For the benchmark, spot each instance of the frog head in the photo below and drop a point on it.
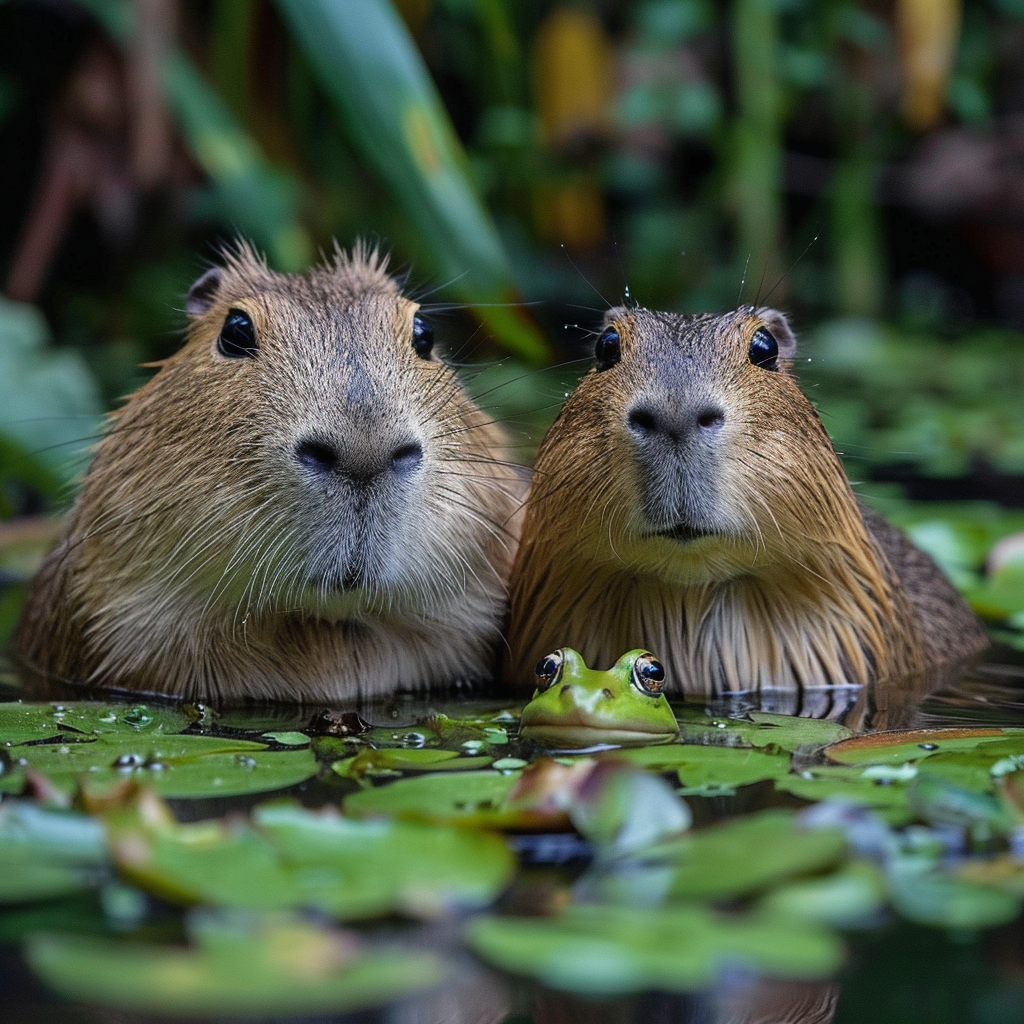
(574, 706)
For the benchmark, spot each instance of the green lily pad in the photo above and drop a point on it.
(44, 853)
(938, 801)
(913, 745)
(401, 759)
(930, 896)
(850, 897)
(886, 794)
(468, 798)
(291, 858)
(288, 739)
(700, 765)
(745, 855)
(759, 729)
(245, 967)
(175, 766)
(22, 722)
(601, 950)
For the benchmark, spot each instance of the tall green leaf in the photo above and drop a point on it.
(370, 68)
(256, 198)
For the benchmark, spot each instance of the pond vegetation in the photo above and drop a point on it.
(543, 161)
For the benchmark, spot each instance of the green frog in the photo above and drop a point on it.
(574, 706)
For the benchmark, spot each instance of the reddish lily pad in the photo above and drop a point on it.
(900, 746)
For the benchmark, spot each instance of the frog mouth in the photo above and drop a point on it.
(567, 736)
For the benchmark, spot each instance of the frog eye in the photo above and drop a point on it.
(649, 675)
(549, 669)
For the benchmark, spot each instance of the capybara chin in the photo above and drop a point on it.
(687, 500)
(302, 504)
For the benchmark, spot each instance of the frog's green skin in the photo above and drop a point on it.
(584, 707)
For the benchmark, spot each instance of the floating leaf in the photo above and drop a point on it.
(701, 767)
(850, 897)
(291, 858)
(421, 759)
(759, 729)
(48, 853)
(22, 722)
(602, 950)
(288, 739)
(911, 745)
(235, 967)
(745, 855)
(929, 896)
(838, 782)
(175, 766)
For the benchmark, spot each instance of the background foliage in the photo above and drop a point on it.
(853, 161)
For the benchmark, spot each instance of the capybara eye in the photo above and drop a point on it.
(549, 669)
(606, 351)
(764, 349)
(237, 338)
(649, 674)
(422, 336)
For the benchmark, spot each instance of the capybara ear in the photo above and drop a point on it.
(779, 326)
(613, 314)
(203, 294)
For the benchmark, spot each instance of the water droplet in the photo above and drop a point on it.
(111, 717)
(21, 762)
(63, 750)
(473, 746)
(414, 739)
(720, 723)
(129, 761)
(59, 709)
(243, 761)
(155, 766)
(137, 716)
(928, 746)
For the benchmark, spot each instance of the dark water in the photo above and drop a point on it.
(894, 973)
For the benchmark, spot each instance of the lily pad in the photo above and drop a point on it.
(928, 895)
(466, 798)
(600, 950)
(174, 765)
(758, 729)
(746, 855)
(700, 767)
(291, 858)
(885, 793)
(901, 746)
(400, 759)
(22, 722)
(48, 853)
(850, 897)
(236, 967)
